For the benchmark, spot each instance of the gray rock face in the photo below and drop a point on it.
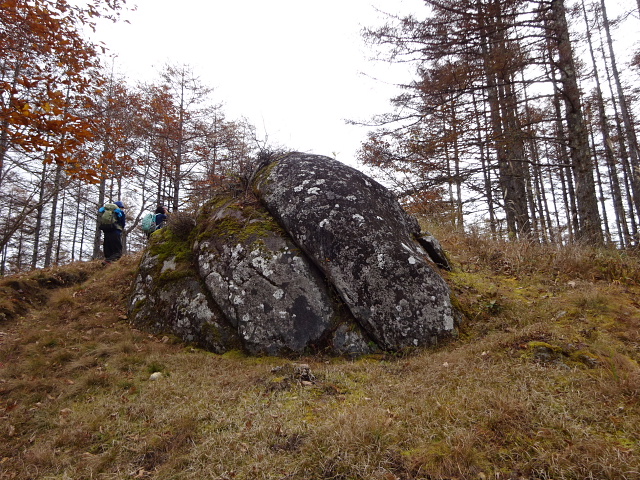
(332, 264)
(163, 302)
(262, 282)
(356, 232)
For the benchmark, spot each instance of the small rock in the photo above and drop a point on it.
(302, 372)
(155, 376)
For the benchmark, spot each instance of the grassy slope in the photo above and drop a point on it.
(543, 382)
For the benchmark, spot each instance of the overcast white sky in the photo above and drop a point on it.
(294, 68)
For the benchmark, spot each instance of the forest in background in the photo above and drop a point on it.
(507, 127)
(521, 118)
(75, 135)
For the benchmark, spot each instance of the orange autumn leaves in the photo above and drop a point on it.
(49, 80)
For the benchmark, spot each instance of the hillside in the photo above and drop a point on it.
(542, 382)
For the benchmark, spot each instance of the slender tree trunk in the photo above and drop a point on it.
(180, 146)
(497, 133)
(603, 123)
(96, 232)
(627, 173)
(603, 205)
(5, 246)
(39, 212)
(54, 213)
(59, 242)
(518, 165)
(80, 201)
(630, 133)
(485, 163)
(84, 229)
(582, 165)
(456, 164)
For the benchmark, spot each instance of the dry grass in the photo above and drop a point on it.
(542, 383)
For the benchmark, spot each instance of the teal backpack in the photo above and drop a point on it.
(148, 224)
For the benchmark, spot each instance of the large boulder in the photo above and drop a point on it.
(322, 259)
(359, 236)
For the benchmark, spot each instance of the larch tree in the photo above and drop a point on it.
(48, 74)
(474, 42)
(191, 101)
(497, 111)
(590, 229)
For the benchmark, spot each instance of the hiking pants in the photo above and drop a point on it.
(112, 245)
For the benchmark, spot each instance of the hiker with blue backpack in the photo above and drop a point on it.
(111, 218)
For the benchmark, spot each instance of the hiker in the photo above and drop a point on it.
(153, 221)
(161, 216)
(112, 221)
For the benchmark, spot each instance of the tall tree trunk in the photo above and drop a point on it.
(59, 242)
(76, 223)
(180, 146)
(485, 164)
(603, 205)
(627, 173)
(630, 133)
(505, 162)
(84, 230)
(5, 247)
(603, 123)
(39, 211)
(96, 233)
(57, 186)
(582, 165)
(456, 163)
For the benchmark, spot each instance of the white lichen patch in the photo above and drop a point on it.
(323, 223)
(201, 307)
(278, 294)
(169, 264)
(298, 265)
(313, 191)
(412, 261)
(262, 264)
(237, 300)
(236, 251)
(358, 218)
(448, 322)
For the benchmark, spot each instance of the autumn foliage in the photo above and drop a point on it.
(48, 78)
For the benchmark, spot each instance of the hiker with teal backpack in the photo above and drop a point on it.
(111, 218)
(161, 216)
(153, 221)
